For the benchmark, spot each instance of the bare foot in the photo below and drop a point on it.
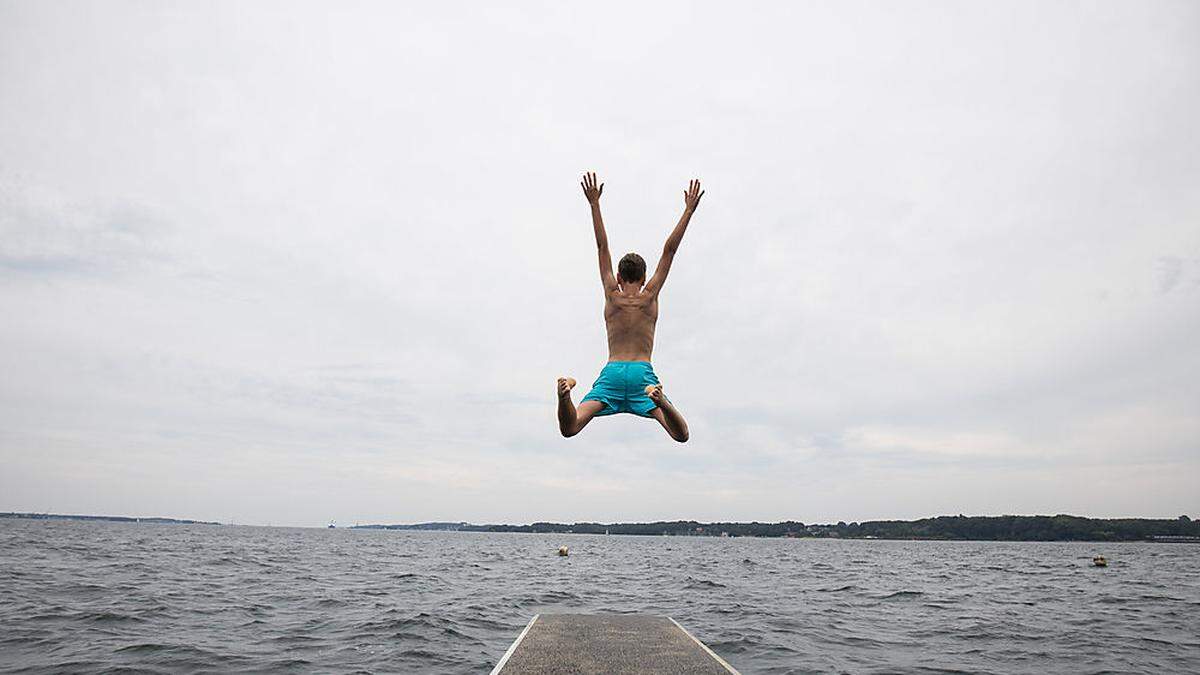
(565, 385)
(667, 415)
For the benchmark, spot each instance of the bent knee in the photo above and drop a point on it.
(567, 433)
(682, 437)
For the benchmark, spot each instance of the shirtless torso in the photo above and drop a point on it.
(628, 383)
(630, 315)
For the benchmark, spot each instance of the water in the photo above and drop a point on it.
(78, 596)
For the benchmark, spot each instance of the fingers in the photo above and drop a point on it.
(601, 190)
(589, 181)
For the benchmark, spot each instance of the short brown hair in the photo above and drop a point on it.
(631, 268)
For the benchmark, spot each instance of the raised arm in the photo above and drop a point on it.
(691, 199)
(607, 279)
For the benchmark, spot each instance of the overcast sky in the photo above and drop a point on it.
(293, 262)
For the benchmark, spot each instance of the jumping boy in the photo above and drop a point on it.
(628, 383)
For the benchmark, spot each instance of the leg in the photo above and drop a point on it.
(572, 420)
(667, 414)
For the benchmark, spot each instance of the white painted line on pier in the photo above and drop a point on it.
(513, 647)
(703, 646)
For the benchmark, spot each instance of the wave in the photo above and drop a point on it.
(694, 583)
(839, 589)
(900, 595)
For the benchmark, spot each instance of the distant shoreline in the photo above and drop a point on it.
(942, 528)
(111, 519)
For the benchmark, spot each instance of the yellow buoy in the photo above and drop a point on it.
(1100, 561)
(562, 550)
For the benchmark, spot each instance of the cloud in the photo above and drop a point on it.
(939, 445)
(45, 233)
(1173, 271)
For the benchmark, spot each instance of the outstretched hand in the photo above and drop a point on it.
(589, 188)
(692, 195)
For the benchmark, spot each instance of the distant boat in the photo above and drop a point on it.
(1100, 561)
(331, 525)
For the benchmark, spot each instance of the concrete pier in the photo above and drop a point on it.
(608, 644)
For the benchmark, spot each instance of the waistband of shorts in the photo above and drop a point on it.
(627, 363)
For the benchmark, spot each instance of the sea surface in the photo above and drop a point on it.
(94, 596)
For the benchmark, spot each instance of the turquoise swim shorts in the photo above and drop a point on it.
(621, 387)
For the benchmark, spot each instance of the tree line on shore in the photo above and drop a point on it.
(107, 519)
(978, 528)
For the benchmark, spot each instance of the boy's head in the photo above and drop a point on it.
(631, 269)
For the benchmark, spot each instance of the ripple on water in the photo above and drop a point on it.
(902, 595)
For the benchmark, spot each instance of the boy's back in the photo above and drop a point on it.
(630, 318)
